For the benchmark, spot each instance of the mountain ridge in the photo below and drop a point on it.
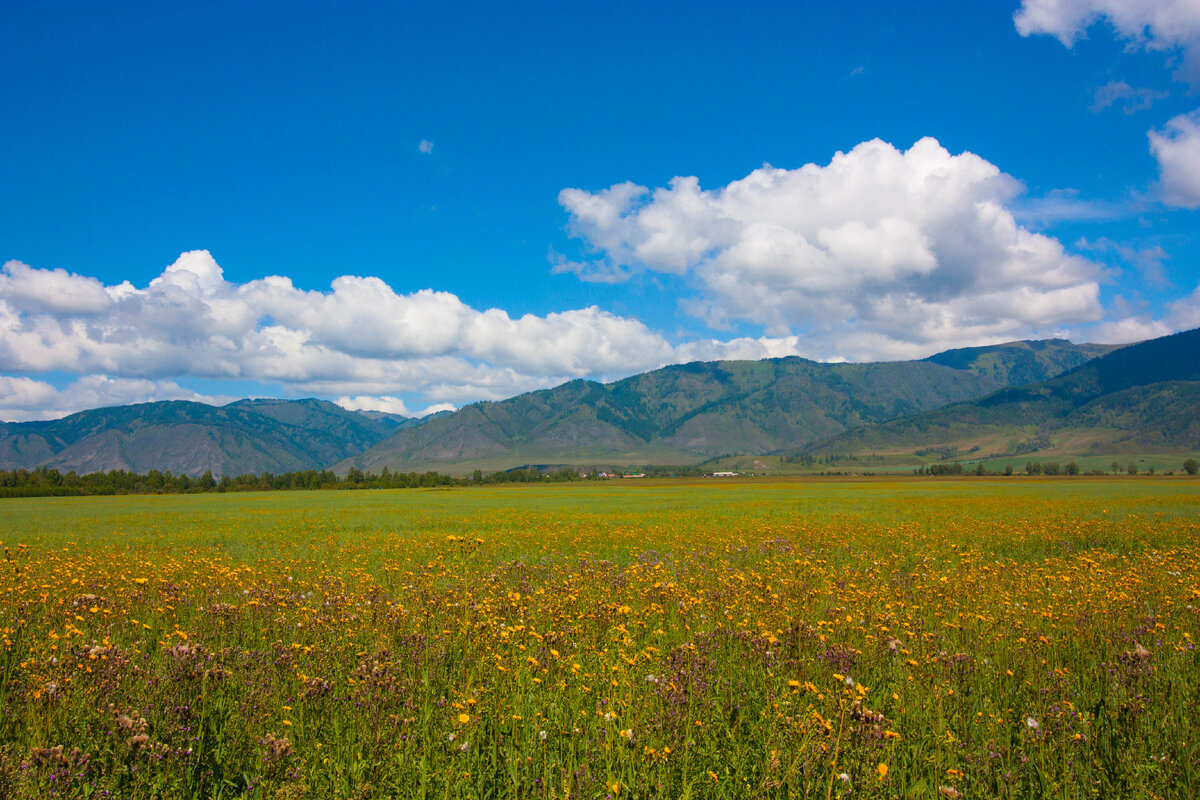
(688, 413)
(678, 414)
(1102, 396)
(191, 438)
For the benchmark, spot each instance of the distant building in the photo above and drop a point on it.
(726, 474)
(634, 475)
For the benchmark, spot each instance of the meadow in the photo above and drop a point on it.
(890, 638)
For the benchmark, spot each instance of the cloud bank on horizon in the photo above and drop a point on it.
(360, 341)
(881, 253)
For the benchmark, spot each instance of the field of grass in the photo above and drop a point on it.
(876, 638)
(906, 462)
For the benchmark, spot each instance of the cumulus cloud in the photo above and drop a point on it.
(18, 396)
(23, 398)
(425, 146)
(191, 320)
(881, 253)
(390, 405)
(360, 341)
(53, 290)
(1138, 320)
(359, 338)
(1163, 25)
(1183, 314)
(1177, 149)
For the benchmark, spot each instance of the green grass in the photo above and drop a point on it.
(668, 639)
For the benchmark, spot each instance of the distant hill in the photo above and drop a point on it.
(1020, 363)
(1141, 397)
(691, 412)
(191, 438)
(681, 414)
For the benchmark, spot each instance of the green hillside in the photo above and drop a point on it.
(191, 438)
(1140, 398)
(679, 414)
(1021, 363)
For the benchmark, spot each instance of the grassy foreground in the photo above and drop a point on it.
(968, 638)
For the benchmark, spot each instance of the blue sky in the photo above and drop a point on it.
(430, 188)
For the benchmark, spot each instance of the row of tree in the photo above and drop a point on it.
(1190, 466)
(43, 482)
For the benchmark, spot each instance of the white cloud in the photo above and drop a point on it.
(23, 398)
(425, 146)
(190, 320)
(390, 405)
(1129, 329)
(19, 395)
(879, 254)
(1129, 99)
(600, 270)
(1163, 25)
(358, 338)
(1177, 149)
(1130, 325)
(1184, 314)
(1148, 261)
(749, 349)
(360, 341)
(52, 290)
(1172, 25)
(1061, 205)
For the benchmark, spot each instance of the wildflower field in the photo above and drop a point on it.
(879, 638)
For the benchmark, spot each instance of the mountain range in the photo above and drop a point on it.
(192, 438)
(1143, 397)
(688, 413)
(680, 414)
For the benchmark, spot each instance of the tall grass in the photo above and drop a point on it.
(860, 639)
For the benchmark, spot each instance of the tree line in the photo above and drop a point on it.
(1190, 466)
(44, 482)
